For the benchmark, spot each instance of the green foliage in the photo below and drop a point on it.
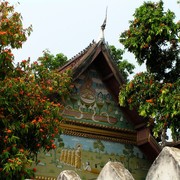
(52, 62)
(29, 118)
(99, 145)
(153, 38)
(159, 102)
(29, 114)
(12, 35)
(128, 151)
(124, 66)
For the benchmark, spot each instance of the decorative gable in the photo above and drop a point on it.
(92, 102)
(95, 129)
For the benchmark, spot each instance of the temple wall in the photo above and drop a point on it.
(92, 103)
(88, 156)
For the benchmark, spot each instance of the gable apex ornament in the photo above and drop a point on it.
(103, 26)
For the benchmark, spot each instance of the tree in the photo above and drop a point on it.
(124, 66)
(128, 151)
(99, 145)
(12, 35)
(158, 102)
(29, 119)
(153, 38)
(52, 62)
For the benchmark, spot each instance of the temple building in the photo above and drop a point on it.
(95, 129)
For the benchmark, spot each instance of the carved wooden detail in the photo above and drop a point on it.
(74, 128)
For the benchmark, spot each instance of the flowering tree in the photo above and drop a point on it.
(52, 62)
(29, 113)
(158, 102)
(153, 37)
(12, 35)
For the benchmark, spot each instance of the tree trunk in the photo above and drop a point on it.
(163, 137)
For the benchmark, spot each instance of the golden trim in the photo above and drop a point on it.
(45, 178)
(88, 130)
(80, 123)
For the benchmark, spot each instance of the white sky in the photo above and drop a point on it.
(68, 26)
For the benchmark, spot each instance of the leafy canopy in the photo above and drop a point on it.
(124, 66)
(159, 102)
(12, 36)
(29, 116)
(52, 62)
(153, 37)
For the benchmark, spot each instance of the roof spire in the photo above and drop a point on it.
(101, 36)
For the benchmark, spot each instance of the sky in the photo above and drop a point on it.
(69, 26)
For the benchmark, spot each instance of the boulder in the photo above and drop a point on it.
(166, 165)
(114, 170)
(68, 175)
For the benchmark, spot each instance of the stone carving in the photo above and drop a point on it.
(68, 175)
(166, 165)
(114, 170)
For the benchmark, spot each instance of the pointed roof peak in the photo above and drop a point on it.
(103, 26)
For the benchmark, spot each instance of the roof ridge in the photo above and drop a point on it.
(77, 56)
(83, 51)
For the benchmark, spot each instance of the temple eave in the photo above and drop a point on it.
(90, 130)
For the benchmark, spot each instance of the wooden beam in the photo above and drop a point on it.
(108, 77)
(89, 131)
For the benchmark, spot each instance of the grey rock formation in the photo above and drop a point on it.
(166, 166)
(114, 170)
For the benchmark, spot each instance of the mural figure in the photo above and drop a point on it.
(73, 157)
(61, 159)
(78, 157)
(87, 167)
(65, 156)
(90, 159)
(87, 93)
(99, 101)
(91, 101)
(69, 156)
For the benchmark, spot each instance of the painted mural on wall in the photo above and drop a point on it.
(91, 101)
(88, 156)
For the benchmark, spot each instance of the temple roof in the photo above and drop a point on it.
(98, 55)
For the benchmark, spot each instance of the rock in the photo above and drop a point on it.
(68, 175)
(114, 170)
(166, 165)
